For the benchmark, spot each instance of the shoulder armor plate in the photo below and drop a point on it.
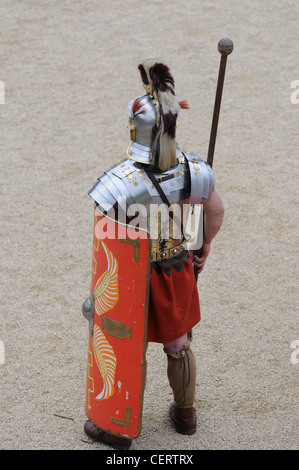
(191, 178)
(201, 178)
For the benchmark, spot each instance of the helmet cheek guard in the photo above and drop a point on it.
(142, 113)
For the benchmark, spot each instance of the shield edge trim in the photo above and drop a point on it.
(144, 364)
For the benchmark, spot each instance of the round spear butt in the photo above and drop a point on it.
(225, 46)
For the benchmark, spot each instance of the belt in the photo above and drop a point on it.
(169, 253)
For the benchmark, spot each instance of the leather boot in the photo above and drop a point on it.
(181, 371)
(98, 434)
(184, 419)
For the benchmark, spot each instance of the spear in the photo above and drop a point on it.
(225, 47)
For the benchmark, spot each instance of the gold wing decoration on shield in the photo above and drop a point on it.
(106, 289)
(106, 295)
(106, 361)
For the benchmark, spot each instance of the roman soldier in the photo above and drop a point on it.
(158, 184)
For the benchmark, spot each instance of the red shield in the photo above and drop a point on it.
(117, 345)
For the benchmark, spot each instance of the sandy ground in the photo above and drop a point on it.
(69, 70)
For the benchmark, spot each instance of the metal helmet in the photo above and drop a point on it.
(143, 114)
(153, 116)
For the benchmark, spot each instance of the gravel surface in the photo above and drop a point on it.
(69, 69)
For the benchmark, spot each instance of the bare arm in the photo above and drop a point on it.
(213, 217)
(214, 212)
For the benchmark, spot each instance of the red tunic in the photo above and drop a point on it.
(173, 304)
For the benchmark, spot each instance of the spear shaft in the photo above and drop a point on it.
(225, 47)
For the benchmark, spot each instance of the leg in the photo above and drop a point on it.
(176, 345)
(181, 370)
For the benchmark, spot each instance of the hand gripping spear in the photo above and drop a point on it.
(225, 47)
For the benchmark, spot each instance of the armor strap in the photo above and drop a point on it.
(156, 184)
(161, 194)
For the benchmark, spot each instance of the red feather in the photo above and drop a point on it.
(184, 105)
(137, 107)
